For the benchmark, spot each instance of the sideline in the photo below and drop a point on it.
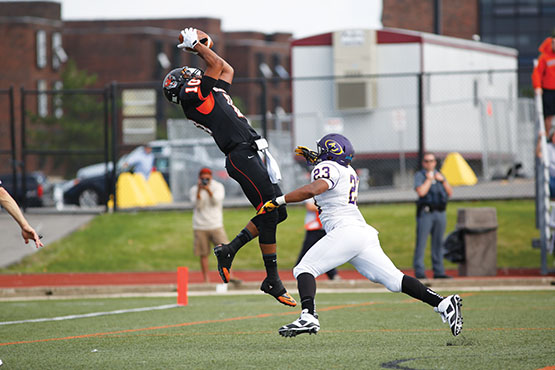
(215, 292)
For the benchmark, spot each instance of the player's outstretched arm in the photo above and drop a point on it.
(298, 195)
(216, 66)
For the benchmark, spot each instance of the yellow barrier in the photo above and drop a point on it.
(144, 189)
(159, 188)
(457, 171)
(132, 190)
(128, 192)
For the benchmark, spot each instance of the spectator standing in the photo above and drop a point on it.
(141, 161)
(543, 80)
(9, 204)
(433, 192)
(208, 227)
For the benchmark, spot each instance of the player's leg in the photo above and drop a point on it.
(329, 252)
(267, 224)
(438, 231)
(376, 266)
(310, 238)
(218, 237)
(225, 252)
(236, 162)
(423, 229)
(246, 167)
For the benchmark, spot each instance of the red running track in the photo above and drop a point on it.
(170, 277)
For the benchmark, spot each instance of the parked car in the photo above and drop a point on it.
(36, 186)
(91, 188)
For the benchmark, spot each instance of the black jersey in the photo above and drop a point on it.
(216, 113)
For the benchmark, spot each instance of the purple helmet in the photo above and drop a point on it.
(337, 148)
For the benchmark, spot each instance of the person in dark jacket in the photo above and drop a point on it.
(433, 192)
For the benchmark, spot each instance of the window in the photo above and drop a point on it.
(57, 101)
(59, 55)
(264, 69)
(279, 69)
(42, 99)
(41, 49)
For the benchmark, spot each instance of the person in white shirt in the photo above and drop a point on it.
(141, 161)
(9, 204)
(208, 226)
(348, 238)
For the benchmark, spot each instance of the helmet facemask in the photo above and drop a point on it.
(175, 79)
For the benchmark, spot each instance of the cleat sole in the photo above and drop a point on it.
(224, 274)
(287, 300)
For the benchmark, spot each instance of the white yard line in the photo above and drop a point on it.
(234, 292)
(87, 315)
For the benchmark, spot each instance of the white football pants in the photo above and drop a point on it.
(358, 245)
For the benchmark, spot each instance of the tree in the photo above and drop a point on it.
(75, 122)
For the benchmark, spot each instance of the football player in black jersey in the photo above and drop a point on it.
(204, 97)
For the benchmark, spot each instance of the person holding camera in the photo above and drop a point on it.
(208, 227)
(433, 192)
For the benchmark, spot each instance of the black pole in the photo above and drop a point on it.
(12, 140)
(437, 17)
(420, 119)
(263, 107)
(23, 148)
(107, 188)
(113, 90)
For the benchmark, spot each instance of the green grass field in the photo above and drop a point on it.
(160, 241)
(502, 330)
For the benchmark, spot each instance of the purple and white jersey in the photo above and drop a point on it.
(338, 205)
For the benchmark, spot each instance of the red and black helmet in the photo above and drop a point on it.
(175, 79)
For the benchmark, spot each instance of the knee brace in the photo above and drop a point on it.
(266, 224)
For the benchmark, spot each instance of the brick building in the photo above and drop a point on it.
(446, 17)
(268, 56)
(31, 56)
(519, 24)
(36, 42)
(139, 50)
(133, 50)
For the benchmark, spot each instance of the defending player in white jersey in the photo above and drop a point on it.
(334, 186)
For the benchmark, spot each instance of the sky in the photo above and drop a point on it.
(300, 17)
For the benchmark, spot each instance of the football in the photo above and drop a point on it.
(203, 38)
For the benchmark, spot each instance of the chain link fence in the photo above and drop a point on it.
(390, 119)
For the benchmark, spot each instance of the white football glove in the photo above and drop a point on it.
(190, 38)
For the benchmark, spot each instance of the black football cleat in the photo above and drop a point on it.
(277, 290)
(225, 258)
